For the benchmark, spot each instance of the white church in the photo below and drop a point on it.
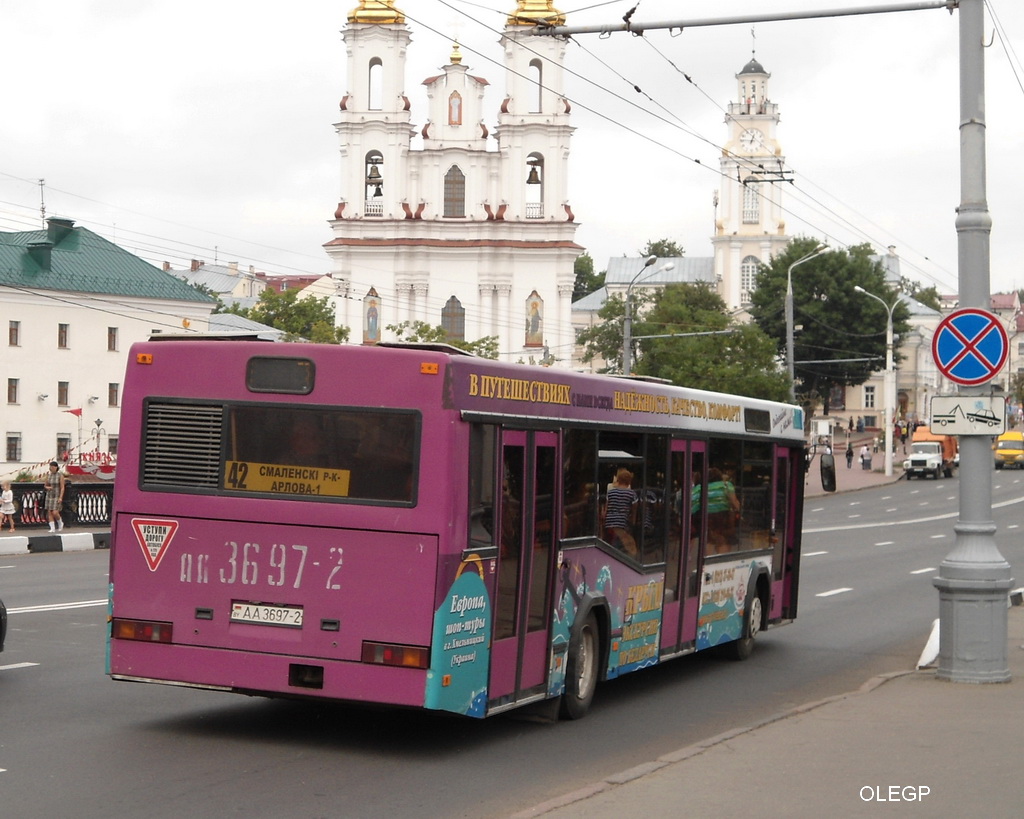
(472, 231)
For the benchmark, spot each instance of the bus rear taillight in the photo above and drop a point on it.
(146, 630)
(389, 654)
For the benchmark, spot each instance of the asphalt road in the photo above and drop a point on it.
(75, 743)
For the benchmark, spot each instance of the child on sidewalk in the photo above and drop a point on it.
(7, 506)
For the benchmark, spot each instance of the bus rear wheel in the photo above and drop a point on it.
(742, 648)
(581, 670)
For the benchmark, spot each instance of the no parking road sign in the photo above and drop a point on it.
(970, 346)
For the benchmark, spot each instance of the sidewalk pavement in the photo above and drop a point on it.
(907, 737)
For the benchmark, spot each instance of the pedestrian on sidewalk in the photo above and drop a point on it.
(7, 506)
(54, 486)
(849, 456)
(865, 457)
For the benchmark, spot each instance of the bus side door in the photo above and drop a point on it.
(682, 570)
(522, 612)
(784, 522)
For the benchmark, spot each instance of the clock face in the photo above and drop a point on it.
(750, 139)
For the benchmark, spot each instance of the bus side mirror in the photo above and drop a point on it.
(828, 473)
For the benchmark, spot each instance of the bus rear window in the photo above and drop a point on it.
(280, 450)
(334, 453)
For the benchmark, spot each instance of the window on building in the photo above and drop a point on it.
(13, 446)
(375, 92)
(536, 75)
(63, 389)
(113, 395)
(14, 334)
(112, 444)
(12, 390)
(454, 193)
(748, 276)
(751, 202)
(869, 396)
(112, 339)
(63, 446)
(374, 202)
(62, 336)
(453, 320)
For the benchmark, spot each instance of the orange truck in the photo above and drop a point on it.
(931, 454)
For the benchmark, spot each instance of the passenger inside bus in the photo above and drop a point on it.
(723, 513)
(620, 513)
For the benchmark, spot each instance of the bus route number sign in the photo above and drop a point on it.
(283, 479)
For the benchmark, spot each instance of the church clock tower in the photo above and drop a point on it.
(749, 225)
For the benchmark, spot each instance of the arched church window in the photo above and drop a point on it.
(453, 320)
(751, 202)
(375, 93)
(454, 193)
(535, 186)
(536, 76)
(749, 268)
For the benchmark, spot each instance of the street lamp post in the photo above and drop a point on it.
(789, 317)
(627, 324)
(890, 377)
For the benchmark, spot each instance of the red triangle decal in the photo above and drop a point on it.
(154, 537)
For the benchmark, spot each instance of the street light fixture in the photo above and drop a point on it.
(627, 325)
(822, 248)
(890, 376)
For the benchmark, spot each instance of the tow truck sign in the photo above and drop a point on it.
(968, 415)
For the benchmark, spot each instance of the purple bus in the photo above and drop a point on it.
(416, 527)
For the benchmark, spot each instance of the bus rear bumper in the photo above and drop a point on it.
(271, 675)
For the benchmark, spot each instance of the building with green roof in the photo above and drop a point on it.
(73, 303)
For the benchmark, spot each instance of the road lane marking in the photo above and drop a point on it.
(937, 537)
(885, 543)
(913, 521)
(813, 554)
(924, 571)
(17, 665)
(82, 604)
(833, 591)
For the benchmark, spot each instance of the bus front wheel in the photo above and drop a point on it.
(742, 648)
(581, 670)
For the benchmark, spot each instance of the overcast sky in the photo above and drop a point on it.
(198, 129)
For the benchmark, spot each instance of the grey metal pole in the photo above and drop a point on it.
(789, 317)
(627, 324)
(974, 580)
(890, 377)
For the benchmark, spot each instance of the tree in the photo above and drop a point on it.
(663, 249)
(741, 362)
(309, 318)
(928, 296)
(587, 281)
(420, 331)
(842, 340)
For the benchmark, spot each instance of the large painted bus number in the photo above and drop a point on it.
(249, 564)
(237, 474)
(330, 578)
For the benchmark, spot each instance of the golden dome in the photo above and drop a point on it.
(529, 12)
(376, 11)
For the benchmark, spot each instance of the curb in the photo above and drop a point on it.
(673, 757)
(63, 542)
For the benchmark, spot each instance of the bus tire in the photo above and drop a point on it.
(742, 648)
(581, 670)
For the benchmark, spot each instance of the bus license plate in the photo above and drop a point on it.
(290, 616)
